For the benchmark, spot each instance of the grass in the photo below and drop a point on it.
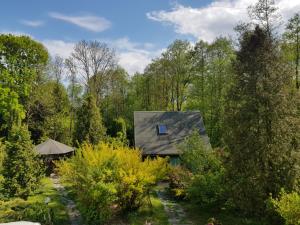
(58, 208)
(155, 214)
(201, 216)
(34, 208)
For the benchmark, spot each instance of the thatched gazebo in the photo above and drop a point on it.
(53, 150)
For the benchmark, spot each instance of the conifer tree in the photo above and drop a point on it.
(88, 124)
(261, 120)
(292, 37)
(22, 168)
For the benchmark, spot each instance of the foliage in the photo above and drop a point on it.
(121, 134)
(212, 76)
(2, 157)
(21, 61)
(170, 74)
(206, 185)
(48, 113)
(115, 103)
(11, 111)
(22, 166)
(19, 209)
(107, 178)
(291, 44)
(288, 207)
(149, 214)
(262, 123)
(35, 209)
(88, 125)
(179, 181)
(201, 215)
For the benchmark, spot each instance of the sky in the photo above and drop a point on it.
(139, 30)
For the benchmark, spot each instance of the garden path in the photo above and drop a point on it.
(74, 214)
(174, 211)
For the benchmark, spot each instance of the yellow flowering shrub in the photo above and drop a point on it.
(287, 205)
(106, 178)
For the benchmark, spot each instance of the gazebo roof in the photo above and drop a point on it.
(51, 147)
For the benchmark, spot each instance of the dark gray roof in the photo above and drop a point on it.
(179, 126)
(51, 147)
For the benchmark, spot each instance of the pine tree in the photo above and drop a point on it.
(88, 124)
(22, 168)
(292, 37)
(261, 119)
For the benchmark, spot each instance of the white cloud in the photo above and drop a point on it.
(215, 19)
(125, 44)
(134, 62)
(134, 57)
(89, 22)
(32, 23)
(59, 47)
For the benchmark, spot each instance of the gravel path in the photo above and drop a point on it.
(174, 211)
(74, 214)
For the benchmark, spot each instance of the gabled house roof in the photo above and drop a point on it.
(159, 133)
(51, 147)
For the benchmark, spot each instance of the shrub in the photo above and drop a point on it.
(22, 166)
(206, 189)
(19, 209)
(106, 178)
(179, 180)
(288, 207)
(206, 185)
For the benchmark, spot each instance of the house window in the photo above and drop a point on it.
(162, 129)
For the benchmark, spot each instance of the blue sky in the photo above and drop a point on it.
(139, 30)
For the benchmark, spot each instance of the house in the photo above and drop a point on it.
(160, 133)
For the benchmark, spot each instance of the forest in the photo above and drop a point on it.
(246, 88)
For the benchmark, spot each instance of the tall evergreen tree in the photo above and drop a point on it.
(88, 124)
(261, 119)
(22, 168)
(292, 38)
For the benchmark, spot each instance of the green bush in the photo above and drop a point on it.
(22, 167)
(108, 178)
(206, 189)
(206, 184)
(287, 205)
(19, 209)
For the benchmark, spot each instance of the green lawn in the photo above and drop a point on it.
(155, 214)
(34, 208)
(200, 216)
